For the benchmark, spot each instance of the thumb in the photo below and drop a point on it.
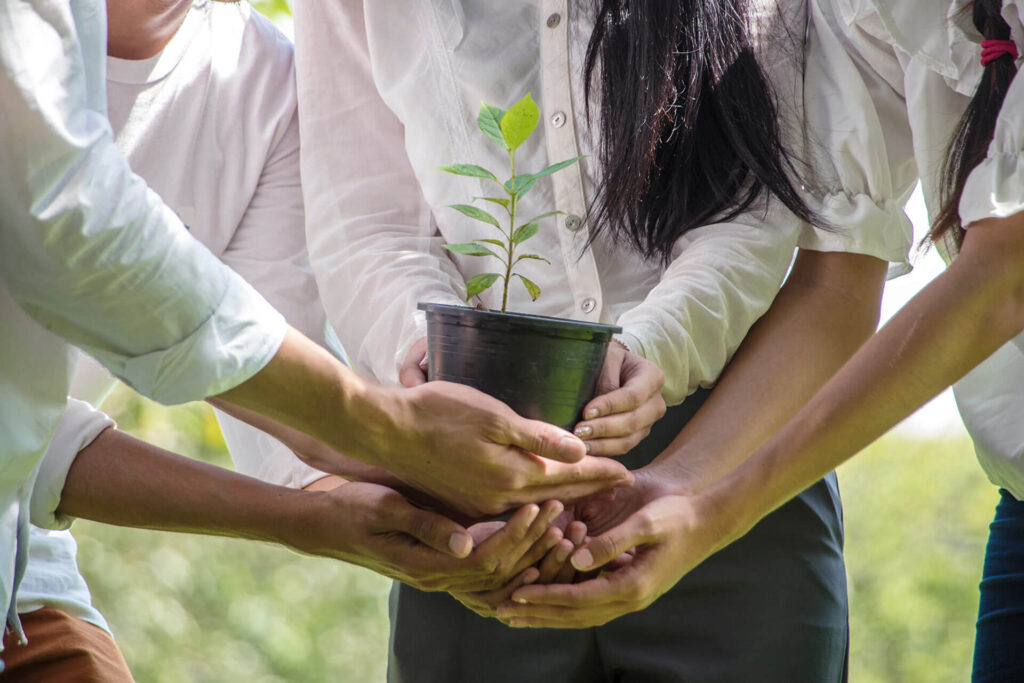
(601, 550)
(546, 440)
(435, 531)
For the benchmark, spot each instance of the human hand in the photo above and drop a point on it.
(565, 535)
(413, 370)
(474, 453)
(375, 527)
(666, 534)
(629, 401)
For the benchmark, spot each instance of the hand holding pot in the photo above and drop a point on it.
(474, 453)
(628, 403)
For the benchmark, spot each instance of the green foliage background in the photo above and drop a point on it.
(187, 608)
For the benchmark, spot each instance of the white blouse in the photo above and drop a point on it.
(389, 90)
(921, 68)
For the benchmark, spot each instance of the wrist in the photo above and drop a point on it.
(371, 415)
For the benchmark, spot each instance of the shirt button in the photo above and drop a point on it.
(554, 20)
(558, 119)
(573, 222)
(589, 304)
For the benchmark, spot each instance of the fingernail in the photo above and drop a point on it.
(582, 560)
(521, 601)
(584, 431)
(460, 543)
(515, 623)
(562, 554)
(590, 414)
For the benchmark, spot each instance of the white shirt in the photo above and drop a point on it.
(921, 67)
(218, 102)
(93, 255)
(389, 90)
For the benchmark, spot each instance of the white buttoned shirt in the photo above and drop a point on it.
(389, 90)
(90, 254)
(919, 63)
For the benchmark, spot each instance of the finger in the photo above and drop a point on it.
(618, 446)
(553, 616)
(555, 561)
(569, 483)
(414, 369)
(600, 550)
(624, 585)
(641, 381)
(576, 532)
(540, 538)
(485, 603)
(512, 533)
(545, 440)
(623, 423)
(435, 531)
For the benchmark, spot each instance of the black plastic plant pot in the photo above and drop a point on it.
(543, 368)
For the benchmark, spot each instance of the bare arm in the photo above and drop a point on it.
(956, 322)
(828, 307)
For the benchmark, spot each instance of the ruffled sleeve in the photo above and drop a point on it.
(995, 189)
(857, 141)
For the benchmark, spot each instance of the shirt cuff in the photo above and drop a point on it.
(995, 189)
(861, 225)
(78, 427)
(232, 345)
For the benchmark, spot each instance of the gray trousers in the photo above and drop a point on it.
(770, 608)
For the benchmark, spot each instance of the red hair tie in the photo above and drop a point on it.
(994, 49)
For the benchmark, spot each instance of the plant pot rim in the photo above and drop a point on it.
(476, 317)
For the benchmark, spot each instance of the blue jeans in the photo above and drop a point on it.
(999, 644)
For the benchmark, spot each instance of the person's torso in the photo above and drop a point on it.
(434, 61)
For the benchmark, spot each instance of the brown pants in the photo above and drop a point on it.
(62, 648)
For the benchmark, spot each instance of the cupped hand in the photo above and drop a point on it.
(628, 403)
(377, 528)
(474, 453)
(564, 536)
(666, 537)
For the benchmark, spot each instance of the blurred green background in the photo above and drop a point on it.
(188, 608)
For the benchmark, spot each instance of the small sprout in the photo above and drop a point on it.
(509, 130)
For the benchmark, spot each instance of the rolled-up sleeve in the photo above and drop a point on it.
(723, 277)
(86, 248)
(858, 143)
(78, 427)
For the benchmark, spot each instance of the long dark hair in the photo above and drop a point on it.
(970, 142)
(689, 130)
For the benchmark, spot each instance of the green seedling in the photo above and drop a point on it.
(509, 130)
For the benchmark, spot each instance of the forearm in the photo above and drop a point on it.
(120, 480)
(951, 326)
(308, 400)
(828, 307)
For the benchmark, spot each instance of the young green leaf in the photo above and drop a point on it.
(477, 213)
(533, 257)
(520, 121)
(556, 167)
(500, 201)
(497, 242)
(470, 249)
(479, 283)
(531, 287)
(489, 120)
(524, 232)
(536, 219)
(470, 170)
(520, 184)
